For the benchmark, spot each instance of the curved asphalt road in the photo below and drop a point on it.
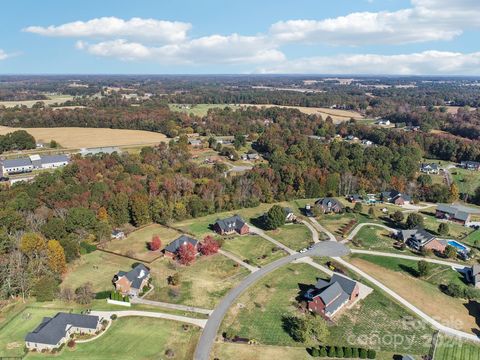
(207, 339)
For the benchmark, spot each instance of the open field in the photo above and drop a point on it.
(335, 114)
(97, 268)
(398, 274)
(135, 244)
(253, 249)
(76, 137)
(467, 180)
(294, 236)
(202, 284)
(29, 103)
(452, 349)
(146, 338)
(258, 315)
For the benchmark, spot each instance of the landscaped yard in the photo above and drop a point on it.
(294, 236)
(139, 338)
(453, 349)
(258, 315)
(135, 244)
(253, 249)
(202, 284)
(97, 268)
(424, 293)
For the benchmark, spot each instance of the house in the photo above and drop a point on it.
(383, 122)
(371, 199)
(53, 161)
(308, 210)
(474, 275)
(251, 156)
(16, 166)
(195, 142)
(328, 205)
(117, 234)
(429, 168)
(456, 213)
(173, 248)
(327, 298)
(470, 165)
(354, 198)
(99, 150)
(234, 224)
(367, 142)
(289, 215)
(33, 162)
(395, 197)
(419, 239)
(132, 282)
(55, 331)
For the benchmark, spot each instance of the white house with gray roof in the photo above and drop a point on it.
(55, 331)
(33, 162)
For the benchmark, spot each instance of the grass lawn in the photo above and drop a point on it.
(97, 268)
(139, 338)
(295, 236)
(136, 242)
(202, 284)
(253, 249)
(375, 238)
(424, 293)
(258, 315)
(453, 349)
(466, 180)
(472, 238)
(456, 231)
(258, 352)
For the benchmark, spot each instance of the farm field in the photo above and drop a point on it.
(135, 244)
(197, 109)
(253, 249)
(76, 137)
(97, 268)
(294, 236)
(259, 312)
(29, 103)
(202, 284)
(453, 349)
(146, 338)
(400, 276)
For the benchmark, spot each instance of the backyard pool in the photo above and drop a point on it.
(459, 246)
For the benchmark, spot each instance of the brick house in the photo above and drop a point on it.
(231, 225)
(419, 239)
(395, 197)
(133, 281)
(329, 205)
(172, 249)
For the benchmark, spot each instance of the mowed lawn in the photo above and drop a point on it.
(374, 238)
(202, 284)
(135, 244)
(453, 349)
(97, 268)
(77, 137)
(466, 180)
(424, 293)
(294, 236)
(258, 315)
(258, 352)
(136, 337)
(253, 249)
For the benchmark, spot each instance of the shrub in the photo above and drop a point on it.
(363, 354)
(155, 244)
(347, 353)
(169, 353)
(87, 248)
(102, 294)
(323, 351)
(113, 317)
(372, 354)
(357, 208)
(355, 353)
(71, 343)
(339, 352)
(331, 352)
(315, 352)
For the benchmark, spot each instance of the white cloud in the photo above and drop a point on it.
(4, 55)
(112, 27)
(232, 49)
(423, 63)
(426, 20)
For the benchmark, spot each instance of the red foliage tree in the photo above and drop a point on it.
(155, 244)
(186, 254)
(209, 246)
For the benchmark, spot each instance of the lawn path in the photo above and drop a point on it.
(238, 260)
(312, 230)
(320, 228)
(261, 233)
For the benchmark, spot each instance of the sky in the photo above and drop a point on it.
(396, 37)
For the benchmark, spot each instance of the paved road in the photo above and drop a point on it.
(165, 305)
(260, 232)
(410, 257)
(360, 226)
(106, 314)
(238, 260)
(207, 339)
(312, 230)
(421, 314)
(319, 227)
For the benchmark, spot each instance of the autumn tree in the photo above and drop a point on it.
(33, 245)
(102, 214)
(209, 246)
(84, 294)
(186, 254)
(56, 257)
(139, 211)
(454, 192)
(155, 243)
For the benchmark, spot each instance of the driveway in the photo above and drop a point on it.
(165, 305)
(312, 230)
(207, 339)
(319, 227)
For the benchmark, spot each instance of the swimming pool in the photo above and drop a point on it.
(460, 247)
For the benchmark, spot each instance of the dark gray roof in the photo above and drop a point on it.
(329, 202)
(458, 211)
(52, 330)
(475, 269)
(287, 211)
(136, 275)
(330, 293)
(432, 166)
(51, 159)
(335, 292)
(9, 163)
(337, 303)
(232, 223)
(420, 235)
(348, 285)
(175, 244)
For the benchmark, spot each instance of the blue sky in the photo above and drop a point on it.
(208, 36)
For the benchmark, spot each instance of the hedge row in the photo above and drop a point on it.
(343, 352)
(115, 295)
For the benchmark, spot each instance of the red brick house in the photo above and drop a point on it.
(231, 225)
(329, 297)
(171, 250)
